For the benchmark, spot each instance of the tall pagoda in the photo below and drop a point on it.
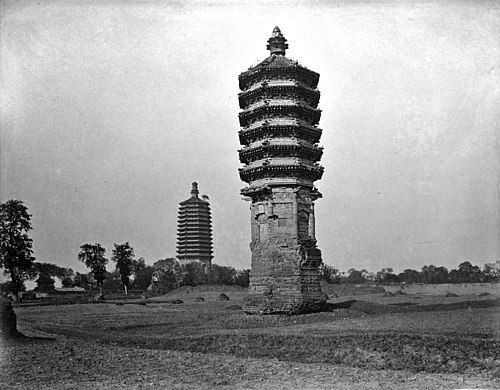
(280, 154)
(194, 230)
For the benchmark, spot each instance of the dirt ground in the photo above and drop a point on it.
(75, 364)
(212, 345)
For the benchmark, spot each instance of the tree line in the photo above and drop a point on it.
(429, 274)
(17, 260)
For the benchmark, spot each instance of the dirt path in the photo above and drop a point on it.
(76, 364)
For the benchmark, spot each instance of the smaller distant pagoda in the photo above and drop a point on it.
(194, 230)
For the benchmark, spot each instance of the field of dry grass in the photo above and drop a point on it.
(375, 342)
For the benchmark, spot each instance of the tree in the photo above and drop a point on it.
(434, 275)
(67, 278)
(329, 274)
(491, 272)
(15, 245)
(386, 275)
(467, 273)
(167, 274)
(194, 274)
(242, 278)
(142, 278)
(409, 276)
(356, 277)
(142, 273)
(138, 265)
(92, 255)
(220, 274)
(81, 280)
(112, 282)
(123, 256)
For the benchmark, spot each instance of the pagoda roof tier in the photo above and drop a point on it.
(282, 107)
(193, 247)
(194, 234)
(197, 216)
(182, 236)
(281, 167)
(195, 252)
(270, 88)
(195, 207)
(192, 204)
(192, 231)
(280, 147)
(284, 101)
(278, 67)
(197, 244)
(195, 227)
(196, 257)
(281, 161)
(279, 127)
(193, 242)
(199, 226)
(186, 219)
(194, 210)
(264, 189)
(194, 218)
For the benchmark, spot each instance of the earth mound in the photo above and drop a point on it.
(234, 307)
(223, 297)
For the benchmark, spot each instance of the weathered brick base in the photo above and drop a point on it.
(284, 278)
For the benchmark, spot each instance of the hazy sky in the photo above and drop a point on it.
(110, 109)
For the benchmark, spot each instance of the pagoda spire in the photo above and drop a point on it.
(277, 43)
(194, 190)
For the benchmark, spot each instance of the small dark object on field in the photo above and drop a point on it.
(450, 294)
(234, 307)
(223, 297)
(484, 294)
(8, 321)
(141, 303)
(199, 299)
(399, 292)
(176, 301)
(98, 297)
(388, 294)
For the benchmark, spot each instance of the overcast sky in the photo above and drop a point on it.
(111, 109)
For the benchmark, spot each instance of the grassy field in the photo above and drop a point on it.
(373, 342)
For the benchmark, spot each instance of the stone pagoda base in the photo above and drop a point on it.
(285, 278)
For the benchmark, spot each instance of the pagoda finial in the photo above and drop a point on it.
(277, 43)
(194, 190)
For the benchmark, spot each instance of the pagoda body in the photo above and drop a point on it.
(194, 230)
(280, 151)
